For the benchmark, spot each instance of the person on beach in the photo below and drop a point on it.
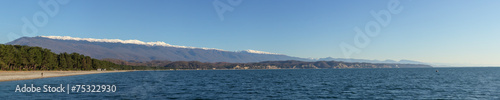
(42, 74)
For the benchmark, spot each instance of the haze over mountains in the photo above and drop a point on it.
(135, 50)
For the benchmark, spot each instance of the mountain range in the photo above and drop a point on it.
(135, 50)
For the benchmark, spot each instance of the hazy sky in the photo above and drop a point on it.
(435, 31)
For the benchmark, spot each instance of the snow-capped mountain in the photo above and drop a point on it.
(259, 52)
(145, 51)
(136, 50)
(138, 42)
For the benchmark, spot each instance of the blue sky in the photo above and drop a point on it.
(434, 31)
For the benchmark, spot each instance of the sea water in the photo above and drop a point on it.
(405, 83)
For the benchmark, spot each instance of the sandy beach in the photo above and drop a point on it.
(25, 75)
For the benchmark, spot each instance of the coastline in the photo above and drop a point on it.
(27, 75)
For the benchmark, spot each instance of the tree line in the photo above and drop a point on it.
(290, 64)
(17, 57)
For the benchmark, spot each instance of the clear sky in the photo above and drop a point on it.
(433, 31)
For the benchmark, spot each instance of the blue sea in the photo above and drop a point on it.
(404, 83)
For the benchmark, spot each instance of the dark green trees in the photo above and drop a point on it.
(16, 57)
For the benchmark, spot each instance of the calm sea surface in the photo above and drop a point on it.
(409, 83)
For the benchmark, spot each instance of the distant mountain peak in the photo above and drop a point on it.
(138, 42)
(135, 50)
(259, 52)
(311, 58)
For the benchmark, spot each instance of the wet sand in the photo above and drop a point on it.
(26, 75)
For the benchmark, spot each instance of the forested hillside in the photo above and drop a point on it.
(16, 57)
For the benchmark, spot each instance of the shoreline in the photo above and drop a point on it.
(28, 75)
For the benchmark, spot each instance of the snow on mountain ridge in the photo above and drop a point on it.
(259, 52)
(138, 42)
